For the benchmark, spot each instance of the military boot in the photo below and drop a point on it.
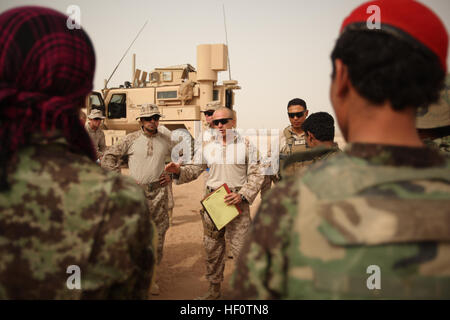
(213, 292)
(229, 252)
(154, 288)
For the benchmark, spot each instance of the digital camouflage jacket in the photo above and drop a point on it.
(371, 222)
(63, 210)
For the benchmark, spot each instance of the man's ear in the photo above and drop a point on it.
(341, 78)
(308, 139)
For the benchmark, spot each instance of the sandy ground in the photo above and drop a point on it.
(182, 270)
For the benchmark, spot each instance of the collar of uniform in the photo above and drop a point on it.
(88, 127)
(208, 125)
(218, 137)
(291, 129)
(147, 135)
(378, 154)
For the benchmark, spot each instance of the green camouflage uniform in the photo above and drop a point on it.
(307, 158)
(436, 117)
(315, 237)
(59, 213)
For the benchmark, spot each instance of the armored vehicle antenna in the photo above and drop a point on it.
(106, 82)
(226, 40)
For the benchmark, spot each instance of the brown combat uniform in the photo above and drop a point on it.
(243, 177)
(170, 198)
(291, 143)
(98, 139)
(269, 178)
(146, 159)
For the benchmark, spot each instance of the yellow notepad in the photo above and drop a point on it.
(219, 212)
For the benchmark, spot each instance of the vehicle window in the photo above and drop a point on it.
(96, 103)
(229, 98)
(167, 76)
(166, 95)
(215, 95)
(117, 107)
(154, 77)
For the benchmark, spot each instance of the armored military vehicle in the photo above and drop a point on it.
(179, 91)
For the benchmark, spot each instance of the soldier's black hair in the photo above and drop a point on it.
(297, 102)
(384, 68)
(321, 125)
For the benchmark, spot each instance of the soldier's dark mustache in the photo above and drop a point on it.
(150, 130)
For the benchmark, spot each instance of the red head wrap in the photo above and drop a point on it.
(46, 71)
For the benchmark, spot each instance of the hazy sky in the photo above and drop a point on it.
(279, 50)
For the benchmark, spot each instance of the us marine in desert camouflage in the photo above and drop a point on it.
(242, 175)
(145, 151)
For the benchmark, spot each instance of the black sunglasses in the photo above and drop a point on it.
(155, 117)
(298, 114)
(222, 121)
(208, 113)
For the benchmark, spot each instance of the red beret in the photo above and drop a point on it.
(411, 17)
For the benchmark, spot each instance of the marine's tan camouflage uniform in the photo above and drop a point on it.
(170, 198)
(146, 159)
(98, 139)
(291, 142)
(244, 178)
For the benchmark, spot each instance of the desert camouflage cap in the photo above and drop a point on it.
(148, 110)
(213, 105)
(438, 114)
(96, 113)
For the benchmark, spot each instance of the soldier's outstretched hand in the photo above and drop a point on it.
(172, 167)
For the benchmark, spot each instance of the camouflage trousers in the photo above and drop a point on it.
(214, 242)
(157, 201)
(170, 202)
